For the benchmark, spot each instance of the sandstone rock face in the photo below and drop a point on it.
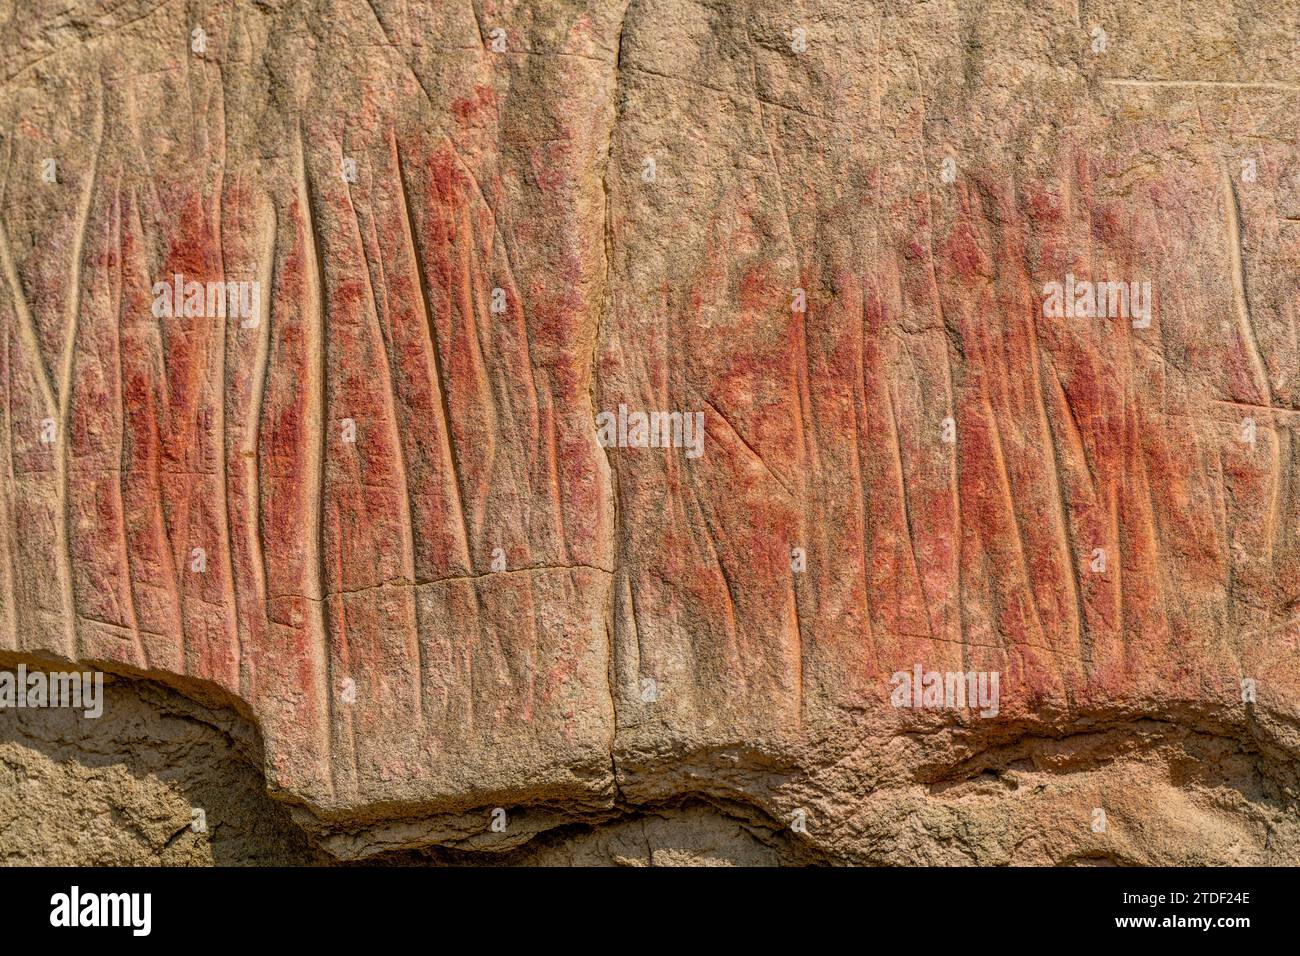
(382, 505)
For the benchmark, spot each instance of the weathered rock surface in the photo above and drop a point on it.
(370, 521)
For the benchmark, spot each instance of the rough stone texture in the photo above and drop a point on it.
(122, 789)
(396, 686)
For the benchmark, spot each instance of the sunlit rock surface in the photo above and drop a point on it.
(384, 504)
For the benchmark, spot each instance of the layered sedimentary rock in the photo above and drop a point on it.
(370, 502)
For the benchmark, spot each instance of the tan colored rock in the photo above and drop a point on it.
(367, 507)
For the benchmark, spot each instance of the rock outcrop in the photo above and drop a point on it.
(968, 333)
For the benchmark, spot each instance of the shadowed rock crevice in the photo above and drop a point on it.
(1185, 788)
(123, 789)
